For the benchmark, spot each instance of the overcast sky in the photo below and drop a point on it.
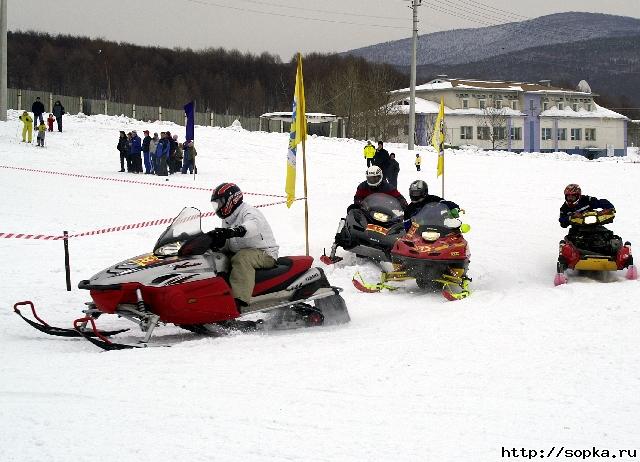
(279, 26)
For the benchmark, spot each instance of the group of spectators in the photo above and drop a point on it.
(163, 155)
(387, 162)
(38, 115)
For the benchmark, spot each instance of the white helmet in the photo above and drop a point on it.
(374, 175)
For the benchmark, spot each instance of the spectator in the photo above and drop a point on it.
(27, 128)
(381, 159)
(50, 121)
(136, 151)
(172, 141)
(42, 130)
(146, 141)
(394, 169)
(179, 155)
(129, 157)
(418, 161)
(162, 154)
(369, 152)
(190, 154)
(153, 144)
(123, 148)
(38, 109)
(58, 112)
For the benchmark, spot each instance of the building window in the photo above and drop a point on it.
(483, 133)
(546, 134)
(589, 107)
(562, 134)
(531, 105)
(545, 106)
(516, 133)
(482, 104)
(560, 106)
(465, 104)
(514, 105)
(497, 104)
(590, 134)
(466, 133)
(574, 106)
(576, 134)
(500, 133)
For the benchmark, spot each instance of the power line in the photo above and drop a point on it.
(268, 13)
(497, 11)
(472, 9)
(342, 13)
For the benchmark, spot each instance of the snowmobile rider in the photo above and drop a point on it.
(575, 203)
(246, 233)
(376, 183)
(419, 195)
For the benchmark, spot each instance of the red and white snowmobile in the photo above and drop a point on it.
(433, 252)
(590, 246)
(184, 282)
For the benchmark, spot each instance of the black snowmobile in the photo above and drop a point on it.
(370, 230)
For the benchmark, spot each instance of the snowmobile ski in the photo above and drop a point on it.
(43, 326)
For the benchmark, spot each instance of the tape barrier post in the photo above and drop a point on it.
(66, 260)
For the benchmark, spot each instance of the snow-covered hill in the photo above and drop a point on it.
(413, 377)
(470, 45)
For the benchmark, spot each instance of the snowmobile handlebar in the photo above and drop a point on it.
(593, 217)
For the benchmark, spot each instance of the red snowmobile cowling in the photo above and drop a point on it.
(451, 247)
(197, 302)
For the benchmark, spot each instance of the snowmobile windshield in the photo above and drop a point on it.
(184, 226)
(436, 216)
(382, 208)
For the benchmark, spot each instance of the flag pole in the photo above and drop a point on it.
(443, 177)
(306, 200)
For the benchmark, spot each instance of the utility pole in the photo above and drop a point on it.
(412, 99)
(3, 60)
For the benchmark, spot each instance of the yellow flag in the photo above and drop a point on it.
(438, 138)
(297, 135)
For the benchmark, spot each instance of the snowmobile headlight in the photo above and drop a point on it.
(169, 249)
(590, 219)
(379, 216)
(430, 235)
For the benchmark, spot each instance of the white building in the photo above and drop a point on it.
(515, 116)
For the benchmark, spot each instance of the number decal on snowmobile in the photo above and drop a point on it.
(377, 229)
(146, 261)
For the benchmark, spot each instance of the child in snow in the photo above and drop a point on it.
(42, 130)
(50, 121)
(418, 162)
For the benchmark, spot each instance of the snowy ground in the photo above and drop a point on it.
(412, 377)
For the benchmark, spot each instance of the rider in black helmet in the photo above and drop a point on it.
(419, 195)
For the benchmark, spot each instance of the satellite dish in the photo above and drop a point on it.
(584, 87)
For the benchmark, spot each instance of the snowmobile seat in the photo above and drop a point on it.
(283, 264)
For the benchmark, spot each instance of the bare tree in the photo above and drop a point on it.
(496, 120)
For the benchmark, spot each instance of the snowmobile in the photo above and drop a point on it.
(433, 252)
(370, 230)
(185, 282)
(590, 246)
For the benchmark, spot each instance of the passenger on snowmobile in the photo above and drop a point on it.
(376, 183)
(419, 195)
(247, 235)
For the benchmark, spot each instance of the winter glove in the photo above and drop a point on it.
(454, 213)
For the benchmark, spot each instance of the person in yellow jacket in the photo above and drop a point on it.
(418, 162)
(27, 126)
(369, 152)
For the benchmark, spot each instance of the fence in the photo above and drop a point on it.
(22, 99)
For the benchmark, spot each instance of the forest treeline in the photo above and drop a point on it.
(221, 81)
